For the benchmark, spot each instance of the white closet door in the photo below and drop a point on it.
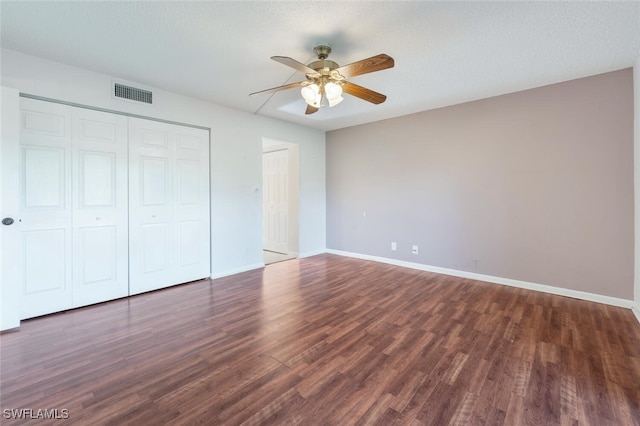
(45, 210)
(100, 214)
(168, 205)
(150, 206)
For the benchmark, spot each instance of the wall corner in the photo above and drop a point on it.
(636, 181)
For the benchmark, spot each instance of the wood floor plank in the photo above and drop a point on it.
(329, 340)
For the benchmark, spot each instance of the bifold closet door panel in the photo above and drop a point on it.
(45, 211)
(150, 209)
(100, 211)
(168, 205)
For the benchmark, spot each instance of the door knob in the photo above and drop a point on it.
(7, 221)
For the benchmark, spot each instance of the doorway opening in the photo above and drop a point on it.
(280, 189)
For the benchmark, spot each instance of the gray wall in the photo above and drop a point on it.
(534, 186)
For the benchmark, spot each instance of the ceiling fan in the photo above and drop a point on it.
(328, 80)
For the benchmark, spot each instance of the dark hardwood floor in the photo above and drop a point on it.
(329, 340)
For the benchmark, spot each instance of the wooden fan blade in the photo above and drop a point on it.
(374, 63)
(279, 88)
(363, 93)
(296, 65)
(311, 109)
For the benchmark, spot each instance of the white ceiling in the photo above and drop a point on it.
(445, 52)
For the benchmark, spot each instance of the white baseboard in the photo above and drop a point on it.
(607, 300)
(237, 270)
(636, 311)
(312, 253)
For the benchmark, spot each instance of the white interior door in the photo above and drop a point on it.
(10, 272)
(168, 205)
(100, 213)
(191, 204)
(45, 211)
(275, 178)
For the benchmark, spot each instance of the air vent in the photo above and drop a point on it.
(132, 93)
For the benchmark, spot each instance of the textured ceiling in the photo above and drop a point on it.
(445, 52)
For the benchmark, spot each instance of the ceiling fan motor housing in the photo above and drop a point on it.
(322, 51)
(323, 66)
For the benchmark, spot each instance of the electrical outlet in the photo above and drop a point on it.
(394, 246)
(414, 249)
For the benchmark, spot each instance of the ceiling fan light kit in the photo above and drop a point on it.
(333, 92)
(327, 79)
(311, 95)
